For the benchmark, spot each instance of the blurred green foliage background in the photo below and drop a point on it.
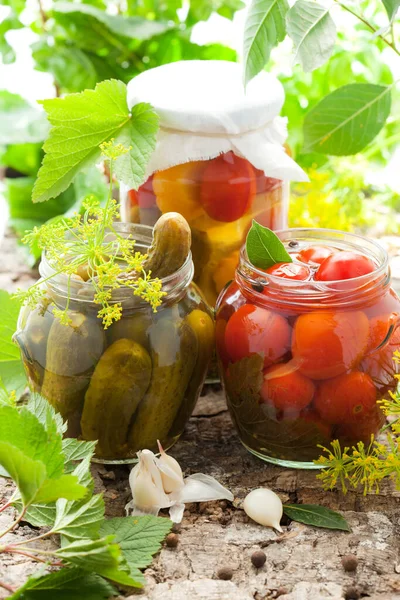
(82, 43)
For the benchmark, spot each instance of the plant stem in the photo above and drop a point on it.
(34, 539)
(6, 505)
(10, 550)
(14, 524)
(369, 25)
(7, 587)
(44, 552)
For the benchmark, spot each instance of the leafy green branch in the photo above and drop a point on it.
(346, 120)
(55, 490)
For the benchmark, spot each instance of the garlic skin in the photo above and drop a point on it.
(158, 483)
(264, 507)
(170, 470)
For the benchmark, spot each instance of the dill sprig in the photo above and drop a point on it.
(89, 242)
(365, 466)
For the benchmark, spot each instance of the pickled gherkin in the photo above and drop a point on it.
(170, 247)
(133, 327)
(118, 384)
(72, 353)
(203, 327)
(174, 354)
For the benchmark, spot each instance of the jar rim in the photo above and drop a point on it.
(143, 238)
(309, 290)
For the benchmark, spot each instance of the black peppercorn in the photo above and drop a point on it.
(350, 562)
(172, 540)
(225, 573)
(258, 559)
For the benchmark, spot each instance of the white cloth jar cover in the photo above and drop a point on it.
(205, 111)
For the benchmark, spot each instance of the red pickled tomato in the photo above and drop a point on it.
(256, 330)
(328, 343)
(344, 265)
(144, 197)
(286, 390)
(315, 254)
(345, 399)
(227, 187)
(312, 417)
(362, 429)
(289, 271)
(379, 364)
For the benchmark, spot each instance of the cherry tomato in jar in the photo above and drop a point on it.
(144, 197)
(292, 271)
(266, 184)
(177, 189)
(362, 429)
(346, 398)
(378, 362)
(227, 188)
(328, 343)
(286, 388)
(344, 265)
(323, 429)
(257, 330)
(315, 254)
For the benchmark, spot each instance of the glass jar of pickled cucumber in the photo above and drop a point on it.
(219, 160)
(129, 385)
(306, 348)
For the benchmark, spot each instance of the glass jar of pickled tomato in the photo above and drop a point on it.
(219, 160)
(130, 385)
(306, 348)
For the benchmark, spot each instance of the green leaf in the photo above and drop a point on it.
(20, 122)
(265, 27)
(391, 6)
(129, 27)
(28, 474)
(38, 514)
(66, 584)
(12, 371)
(99, 556)
(25, 158)
(319, 516)
(79, 520)
(80, 123)
(76, 450)
(6, 51)
(264, 248)
(46, 415)
(66, 486)
(346, 120)
(313, 32)
(139, 538)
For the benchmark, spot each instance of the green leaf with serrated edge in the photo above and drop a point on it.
(76, 450)
(80, 123)
(28, 474)
(346, 120)
(265, 27)
(19, 121)
(140, 136)
(81, 520)
(391, 6)
(12, 371)
(46, 415)
(38, 514)
(139, 537)
(264, 248)
(65, 584)
(101, 556)
(23, 430)
(319, 516)
(313, 33)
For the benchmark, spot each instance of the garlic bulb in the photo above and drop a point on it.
(158, 483)
(264, 507)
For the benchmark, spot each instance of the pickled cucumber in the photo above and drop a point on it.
(72, 353)
(133, 327)
(32, 341)
(203, 327)
(170, 377)
(170, 247)
(118, 384)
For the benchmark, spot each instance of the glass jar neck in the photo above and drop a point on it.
(60, 286)
(267, 289)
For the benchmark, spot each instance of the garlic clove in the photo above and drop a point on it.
(176, 512)
(203, 488)
(146, 485)
(170, 471)
(264, 507)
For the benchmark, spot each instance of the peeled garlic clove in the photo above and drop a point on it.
(145, 481)
(264, 507)
(170, 470)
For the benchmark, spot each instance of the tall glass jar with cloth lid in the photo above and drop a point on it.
(220, 160)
